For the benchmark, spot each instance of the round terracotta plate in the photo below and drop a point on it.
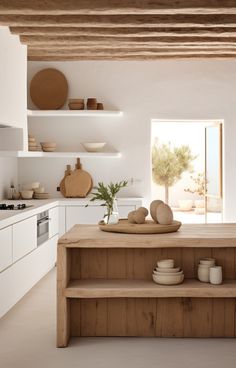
(49, 89)
(149, 227)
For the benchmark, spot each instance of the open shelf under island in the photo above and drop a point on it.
(105, 285)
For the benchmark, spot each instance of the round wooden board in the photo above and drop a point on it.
(150, 227)
(49, 89)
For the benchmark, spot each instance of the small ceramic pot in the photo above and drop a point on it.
(203, 273)
(216, 275)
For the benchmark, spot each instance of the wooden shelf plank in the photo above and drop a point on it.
(74, 113)
(188, 236)
(120, 288)
(41, 154)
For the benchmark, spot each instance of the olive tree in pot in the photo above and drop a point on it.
(198, 187)
(169, 163)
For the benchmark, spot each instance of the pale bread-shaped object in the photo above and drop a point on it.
(164, 214)
(131, 217)
(153, 208)
(139, 217)
(144, 210)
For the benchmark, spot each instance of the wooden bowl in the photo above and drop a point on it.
(100, 106)
(91, 106)
(76, 106)
(48, 144)
(91, 101)
(76, 100)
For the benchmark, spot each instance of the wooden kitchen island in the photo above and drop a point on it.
(105, 287)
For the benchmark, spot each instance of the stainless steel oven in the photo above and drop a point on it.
(42, 227)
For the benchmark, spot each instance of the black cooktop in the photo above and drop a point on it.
(13, 207)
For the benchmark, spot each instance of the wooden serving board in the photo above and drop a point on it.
(79, 183)
(49, 89)
(62, 183)
(149, 227)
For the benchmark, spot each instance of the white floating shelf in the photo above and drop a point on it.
(59, 154)
(73, 113)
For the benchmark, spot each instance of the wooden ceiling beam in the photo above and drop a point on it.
(93, 48)
(127, 51)
(73, 40)
(124, 32)
(130, 58)
(108, 7)
(115, 21)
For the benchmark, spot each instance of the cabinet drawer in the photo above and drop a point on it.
(54, 222)
(83, 215)
(24, 237)
(5, 248)
(91, 214)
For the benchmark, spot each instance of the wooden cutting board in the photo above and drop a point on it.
(79, 183)
(49, 89)
(62, 183)
(149, 227)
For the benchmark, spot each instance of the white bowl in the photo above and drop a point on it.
(167, 270)
(166, 263)
(168, 274)
(27, 194)
(207, 261)
(168, 279)
(93, 147)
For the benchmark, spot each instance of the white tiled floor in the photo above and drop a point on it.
(27, 340)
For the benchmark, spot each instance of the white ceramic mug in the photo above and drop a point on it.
(216, 275)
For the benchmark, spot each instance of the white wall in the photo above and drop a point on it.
(13, 75)
(165, 89)
(13, 104)
(8, 169)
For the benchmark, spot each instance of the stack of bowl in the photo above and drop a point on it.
(48, 146)
(76, 104)
(92, 104)
(32, 144)
(204, 266)
(166, 274)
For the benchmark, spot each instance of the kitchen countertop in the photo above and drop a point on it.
(9, 217)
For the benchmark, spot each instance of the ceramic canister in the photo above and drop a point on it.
(216, 275)
(203, 273)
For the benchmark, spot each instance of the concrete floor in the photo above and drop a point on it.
(27, 340)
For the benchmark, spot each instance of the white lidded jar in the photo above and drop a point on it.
(203, 273)
(216, 275)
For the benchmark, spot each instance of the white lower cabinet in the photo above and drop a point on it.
(91, 214)
(53, 221)
(24, 237)
(18, 279)
(5, 248)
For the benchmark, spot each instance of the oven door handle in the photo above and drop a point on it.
(43, 222)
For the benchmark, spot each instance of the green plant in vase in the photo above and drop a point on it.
(107, 194)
